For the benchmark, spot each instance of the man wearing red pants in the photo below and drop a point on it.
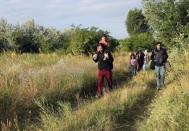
(105, 66)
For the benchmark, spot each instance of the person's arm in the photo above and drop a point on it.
(137, 65)
(166, 56)
(95, 57)
(129, 62)
(152, 56)
(111, 59)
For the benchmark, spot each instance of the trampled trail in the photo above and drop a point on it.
(127, 120)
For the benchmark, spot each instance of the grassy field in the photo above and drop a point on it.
(51, 92)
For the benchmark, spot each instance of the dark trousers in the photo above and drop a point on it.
(108, 75)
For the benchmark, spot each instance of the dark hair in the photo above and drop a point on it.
(132, 55)
(104, 35)
(157, 43)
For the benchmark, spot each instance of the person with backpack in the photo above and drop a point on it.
(105, 66)
(133, 64)
(159, 57)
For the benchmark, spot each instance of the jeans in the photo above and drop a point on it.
(145, 66)
(160, 75)
(108, 75)
(133, 70)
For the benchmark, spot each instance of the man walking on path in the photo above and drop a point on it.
(105, 66)
(159, 56)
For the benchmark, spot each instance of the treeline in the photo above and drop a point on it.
(32, 38)
(163, 20)
(159, 20)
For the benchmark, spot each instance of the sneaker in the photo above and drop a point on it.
(163, 86)
(97, 96)
(158, 88)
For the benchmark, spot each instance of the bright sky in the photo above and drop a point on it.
(108, 15)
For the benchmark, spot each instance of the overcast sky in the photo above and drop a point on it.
(108, 15)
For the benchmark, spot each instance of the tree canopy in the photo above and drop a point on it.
(168, 20)
(32, 38)
(136, 22)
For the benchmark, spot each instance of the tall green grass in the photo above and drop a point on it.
(170, 110)
(28, 78)
(55, 92)
(101, 114)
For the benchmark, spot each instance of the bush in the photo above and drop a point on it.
(138, 42)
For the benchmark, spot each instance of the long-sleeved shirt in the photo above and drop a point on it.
(107, 63)
(159, 56)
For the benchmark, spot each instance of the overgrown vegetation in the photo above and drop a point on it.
(170, 110)
(54, 90)
(27, 79)
(32, 38)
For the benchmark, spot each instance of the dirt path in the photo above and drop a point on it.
(127, 120)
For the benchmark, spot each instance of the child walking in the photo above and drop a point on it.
(133, 64)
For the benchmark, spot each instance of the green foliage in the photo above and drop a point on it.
(167, 19)
(33, 38)
(5, 36)
(138, 29)
(136, 22)
(85, 40)
(140, 41)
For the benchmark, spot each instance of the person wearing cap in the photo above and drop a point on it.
(159, 57)
(105, 66)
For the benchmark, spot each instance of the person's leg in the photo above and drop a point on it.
(100, 82)
(134, 71)
(108, 76)
(144, 67)
(157, 70)
(162, 75)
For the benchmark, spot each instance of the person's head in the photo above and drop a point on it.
(105, 38)
(146, 52)
(132, 56)
(158, 45)
(139, 52)
(104, 41)
(100, 48)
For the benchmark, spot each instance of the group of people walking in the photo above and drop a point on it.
(138, 61)
(155, 60)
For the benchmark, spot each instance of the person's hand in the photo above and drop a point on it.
(106, 56)
(95, 56)
(98, 49)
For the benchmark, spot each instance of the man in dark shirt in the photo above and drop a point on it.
(105, 66)
(159, 57)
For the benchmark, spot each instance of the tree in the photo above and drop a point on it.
(85, 40)
(167, 19)
(140, 41)
(32, 38)
(6, 41)
(136, 22)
